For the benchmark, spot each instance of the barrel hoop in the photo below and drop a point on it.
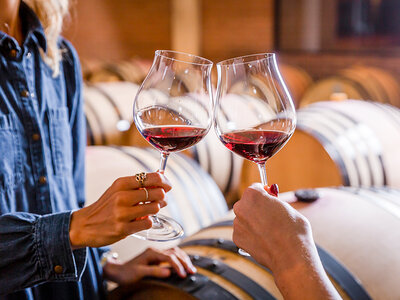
(113, 69)
(109, 99)
(337, 271)
(357, 85)
(89, 132)
(333, 153)
(232, 171)
(210, 189)
(365, 156)
(221, 244)
(387, 204)
(342, 276)
(204, 193)
(232, 161)
(99, 122)
(380, 158)
(329, 134)
(381, 88)
(195, 154)
(174, 207)
(391, 111)
(198, 285)
(246, 284)
(189, 194)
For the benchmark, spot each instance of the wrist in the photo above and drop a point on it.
(75, 230)
(305, 276)
(112, 270)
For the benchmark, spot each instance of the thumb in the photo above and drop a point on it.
(155, 271)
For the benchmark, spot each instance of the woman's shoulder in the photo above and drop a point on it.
(69, 53)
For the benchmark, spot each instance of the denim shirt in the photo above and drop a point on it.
(42, 147)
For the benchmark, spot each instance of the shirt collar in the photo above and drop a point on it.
(31, 28)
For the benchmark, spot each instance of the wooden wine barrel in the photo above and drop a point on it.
(350, 227)
(134, 70)
(195, 201)
(108, 110)
(351, 143)
(358, 82)
(297, 81)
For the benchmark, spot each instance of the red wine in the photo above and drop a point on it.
(173, 138)
(255, 145)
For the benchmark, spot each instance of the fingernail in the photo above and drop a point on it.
(183, 273)
(193, 269)
(274, 189)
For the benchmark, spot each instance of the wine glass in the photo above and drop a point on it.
(254, 114)
(173, 111)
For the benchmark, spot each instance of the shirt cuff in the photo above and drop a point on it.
(59, 262)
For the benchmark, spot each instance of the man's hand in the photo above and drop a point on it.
(152, 262)
(279, 237)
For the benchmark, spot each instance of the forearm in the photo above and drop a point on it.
(305, 278)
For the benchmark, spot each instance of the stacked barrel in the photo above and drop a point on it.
(357, 82)
(350, 144)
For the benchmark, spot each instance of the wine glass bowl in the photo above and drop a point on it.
(173, 111)
(254, 114)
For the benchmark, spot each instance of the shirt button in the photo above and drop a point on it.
(58, 269)
(28, 55)
(13, 53)
(24, 93)
(42, 179)
(35, 137)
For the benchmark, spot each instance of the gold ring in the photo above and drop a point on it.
(147, 194)
(140, 177)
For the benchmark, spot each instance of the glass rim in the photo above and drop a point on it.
(206, 62)
(250, 58)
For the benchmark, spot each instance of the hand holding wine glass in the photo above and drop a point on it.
(254, 113)
(173, 111)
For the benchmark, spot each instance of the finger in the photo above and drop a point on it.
(154, 271)
(237, 235)
(152, 180)
(162, 203)
(139, 211)
(138, 225)
(184, 259)
(133, 197)
(153, 256)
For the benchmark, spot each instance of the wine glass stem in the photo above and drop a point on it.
(163, 162)
(263, 173)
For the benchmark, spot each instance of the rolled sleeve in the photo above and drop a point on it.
(59, 261)
(35, 249)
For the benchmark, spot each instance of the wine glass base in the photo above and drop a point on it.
(166, 229)
(243, 253)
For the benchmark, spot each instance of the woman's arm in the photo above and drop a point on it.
(279, 237)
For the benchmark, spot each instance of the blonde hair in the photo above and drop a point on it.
(51, 14)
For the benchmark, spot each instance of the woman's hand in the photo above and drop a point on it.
(118, 213)
(279, 237)
(148, 264)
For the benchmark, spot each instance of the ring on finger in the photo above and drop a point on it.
(141, 177)
(147, 193)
